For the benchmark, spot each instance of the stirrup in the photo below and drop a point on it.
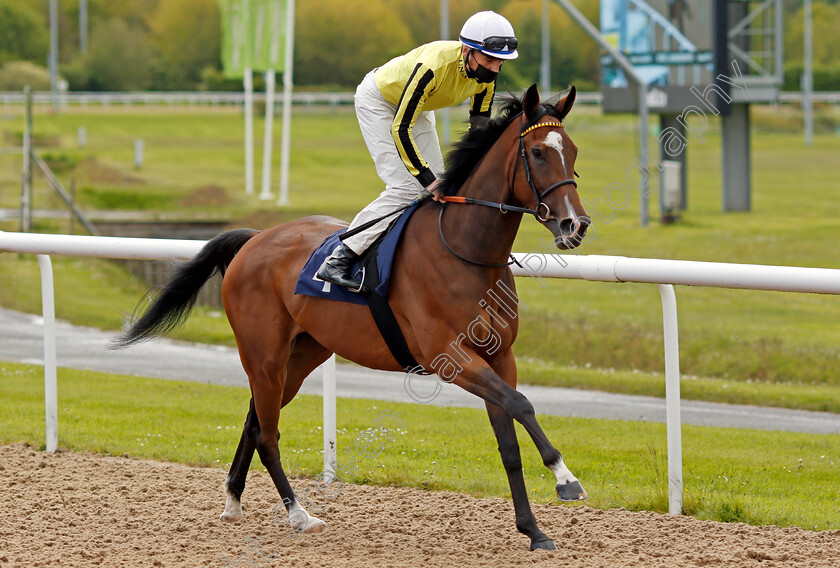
(361, 288)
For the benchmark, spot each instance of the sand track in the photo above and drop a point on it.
(75, 509)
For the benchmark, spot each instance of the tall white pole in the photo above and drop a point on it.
(288, 70)
(53, 59)
(808, 75)
(26, 181)
(634, 77)
(643, 156)
(445, 113)
(248, 83)
(83, 26)
(265, 192)
(545, 64)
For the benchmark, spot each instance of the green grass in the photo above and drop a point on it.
(817, 397)
(730, 474)
(116, 295)
(768, 348)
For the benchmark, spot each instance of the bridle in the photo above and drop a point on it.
(527, 165)
(504, 207)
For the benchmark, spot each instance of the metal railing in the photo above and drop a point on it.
(664, 273)
(220, 99)
(192, 98)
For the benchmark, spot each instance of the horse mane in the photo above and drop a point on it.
(468, 152)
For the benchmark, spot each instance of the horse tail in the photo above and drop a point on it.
(176, 300)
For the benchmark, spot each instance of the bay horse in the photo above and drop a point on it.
(521, 161)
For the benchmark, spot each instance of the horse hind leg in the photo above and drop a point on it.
(267, 405)
(235, 480)
(305, 355)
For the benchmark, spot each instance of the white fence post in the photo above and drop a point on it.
(138, 154)
(330, 422)
(672, 397)
(50, 374)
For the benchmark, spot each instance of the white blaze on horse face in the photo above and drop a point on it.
(562, 473)
(555, 140)
(572, 213)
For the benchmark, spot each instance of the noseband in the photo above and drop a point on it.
(504, 207)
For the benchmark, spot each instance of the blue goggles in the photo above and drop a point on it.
(494, 44)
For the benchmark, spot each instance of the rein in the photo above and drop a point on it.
(504, 207)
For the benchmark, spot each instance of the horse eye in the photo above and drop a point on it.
(537, 153)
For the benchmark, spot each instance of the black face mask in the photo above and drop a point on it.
(482, 74)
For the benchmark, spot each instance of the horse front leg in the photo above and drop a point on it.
(568, 487)
(264, 357)
(480, 379)
(526, 523)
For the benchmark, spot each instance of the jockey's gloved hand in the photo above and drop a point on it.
(435, 190)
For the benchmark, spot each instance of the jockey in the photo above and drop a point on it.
(394, 107)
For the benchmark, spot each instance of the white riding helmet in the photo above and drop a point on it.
(491, 34)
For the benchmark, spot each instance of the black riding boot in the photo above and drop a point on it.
(337, 266)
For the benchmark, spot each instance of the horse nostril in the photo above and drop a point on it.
(575, 228)
(567, 227)
(584, 223)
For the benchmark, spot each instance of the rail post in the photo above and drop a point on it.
(50, 374)
(672, 397)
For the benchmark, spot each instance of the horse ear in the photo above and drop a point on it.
(531, 102)
(565, 104)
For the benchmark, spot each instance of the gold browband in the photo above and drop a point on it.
(540, 124)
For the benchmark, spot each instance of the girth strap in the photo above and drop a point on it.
(385, 320)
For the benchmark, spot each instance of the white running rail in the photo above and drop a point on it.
(663, 273)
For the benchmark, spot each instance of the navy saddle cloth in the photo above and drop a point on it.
(385, 248)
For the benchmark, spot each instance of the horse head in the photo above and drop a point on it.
(545, 181)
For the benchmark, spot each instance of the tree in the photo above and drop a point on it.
(119, 59)
(134, 13)
(574, 55)
(337, 42)
(68, 24)
(422, 17)
(825, 23)
(23, 32)
(16, 75)
(186, 36)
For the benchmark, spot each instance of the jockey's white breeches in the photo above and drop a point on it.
(376, 116)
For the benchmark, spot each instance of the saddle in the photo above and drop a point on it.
(373, 269)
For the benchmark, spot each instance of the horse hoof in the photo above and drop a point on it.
(231, 517)
(315, 526)
(571, 491)
(543, 545)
